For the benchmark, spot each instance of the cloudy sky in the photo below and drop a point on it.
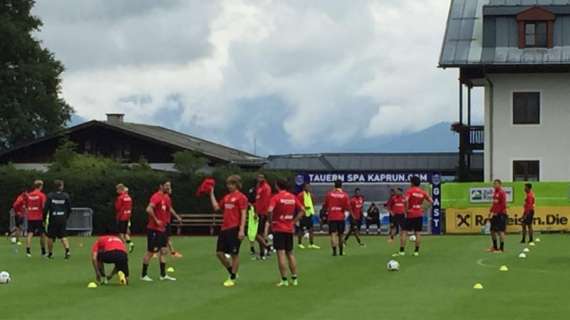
(292, 75)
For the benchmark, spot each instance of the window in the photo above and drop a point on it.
(526, 170)
(526, 108)
(536, 34)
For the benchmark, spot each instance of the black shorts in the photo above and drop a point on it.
(168, 231)
(283, 241)
(36, 227)
(18, 221)
(398, 221)
(414, 224)
(262, 220)
(229, 242)
(117, 257)
(336, 226)
(499, 223)
(355, 223)
(306, 223)
(155, 240)
(527, 218)
(57, 230)
(123, 226)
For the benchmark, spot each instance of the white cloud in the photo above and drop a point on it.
(344, 69)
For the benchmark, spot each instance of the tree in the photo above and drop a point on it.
(30, 83)
(188, 162)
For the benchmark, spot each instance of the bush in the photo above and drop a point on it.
(91, 181)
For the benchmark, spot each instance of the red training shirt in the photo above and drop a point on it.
(499, 202)
(161, 211)
(415, 197)
(232, 205)
(529, 202)
(108, 243)
(20, 204)
(284, 205)
(262, 198)
(337, 203)
(357, 203)
(123, 207)
(36, 203)
(397, 204)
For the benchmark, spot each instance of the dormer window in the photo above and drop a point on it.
(536, 26)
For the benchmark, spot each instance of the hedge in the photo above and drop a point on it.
(94, 187)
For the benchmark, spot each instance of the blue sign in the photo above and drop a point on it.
(436, 206)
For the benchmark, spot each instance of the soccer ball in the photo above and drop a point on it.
(4, 277)
(13, 240)
(393, 265)
(412, 238)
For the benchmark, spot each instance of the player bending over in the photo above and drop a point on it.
(123, 209)
(528, 214)
(158, 211)
(36, 204)
(498, 216)
(356, 203)
(414, 199)
(110, 249)
(282, 215)
(306, 223)
(57, 211)
(233, 206)
(336, 204)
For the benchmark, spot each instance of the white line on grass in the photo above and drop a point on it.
(481, 262)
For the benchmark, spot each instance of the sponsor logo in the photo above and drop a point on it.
(485, 195)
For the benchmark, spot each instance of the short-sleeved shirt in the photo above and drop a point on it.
(20, 204)
(529, 202)
(262, 198)
(499, 202)
(337, 202)
(108, 243)
(36, 203)
(284, 205)
(397, 204)
(415, 197)
(161, 211)
(232, 206)
(357, 204)
(123, 207)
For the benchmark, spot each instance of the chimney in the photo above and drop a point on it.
(115, 118)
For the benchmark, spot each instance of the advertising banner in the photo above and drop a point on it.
(473, 220)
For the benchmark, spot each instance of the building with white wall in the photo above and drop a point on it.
(519, 52)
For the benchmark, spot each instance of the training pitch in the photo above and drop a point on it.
(436, 285)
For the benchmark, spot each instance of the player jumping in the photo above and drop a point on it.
(336, 204)
(498, 216)
(415, 197)
(123, 209)
(234, 207)
(57, 211)
(528, 214)
(282, 215)
(158, 211)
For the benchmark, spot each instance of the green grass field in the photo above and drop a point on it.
(436, 285)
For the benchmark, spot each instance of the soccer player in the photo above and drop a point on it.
(252, 221)
(282, 208)
(397, 207)
(373, 217)
(36, 203)
(528, 214)
(356, 203)
(263, 196)
(123, 209)
(337, 202)
(498, 216)
(110, 249)
(306, 223)
(57, 211)
(19, 211)
(414, 198)
(234, 207)
(158, 211)
(171, 213)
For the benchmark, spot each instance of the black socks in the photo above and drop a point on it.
(162, 269)
(144, 270)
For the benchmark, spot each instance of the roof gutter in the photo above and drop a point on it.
(491, 109)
